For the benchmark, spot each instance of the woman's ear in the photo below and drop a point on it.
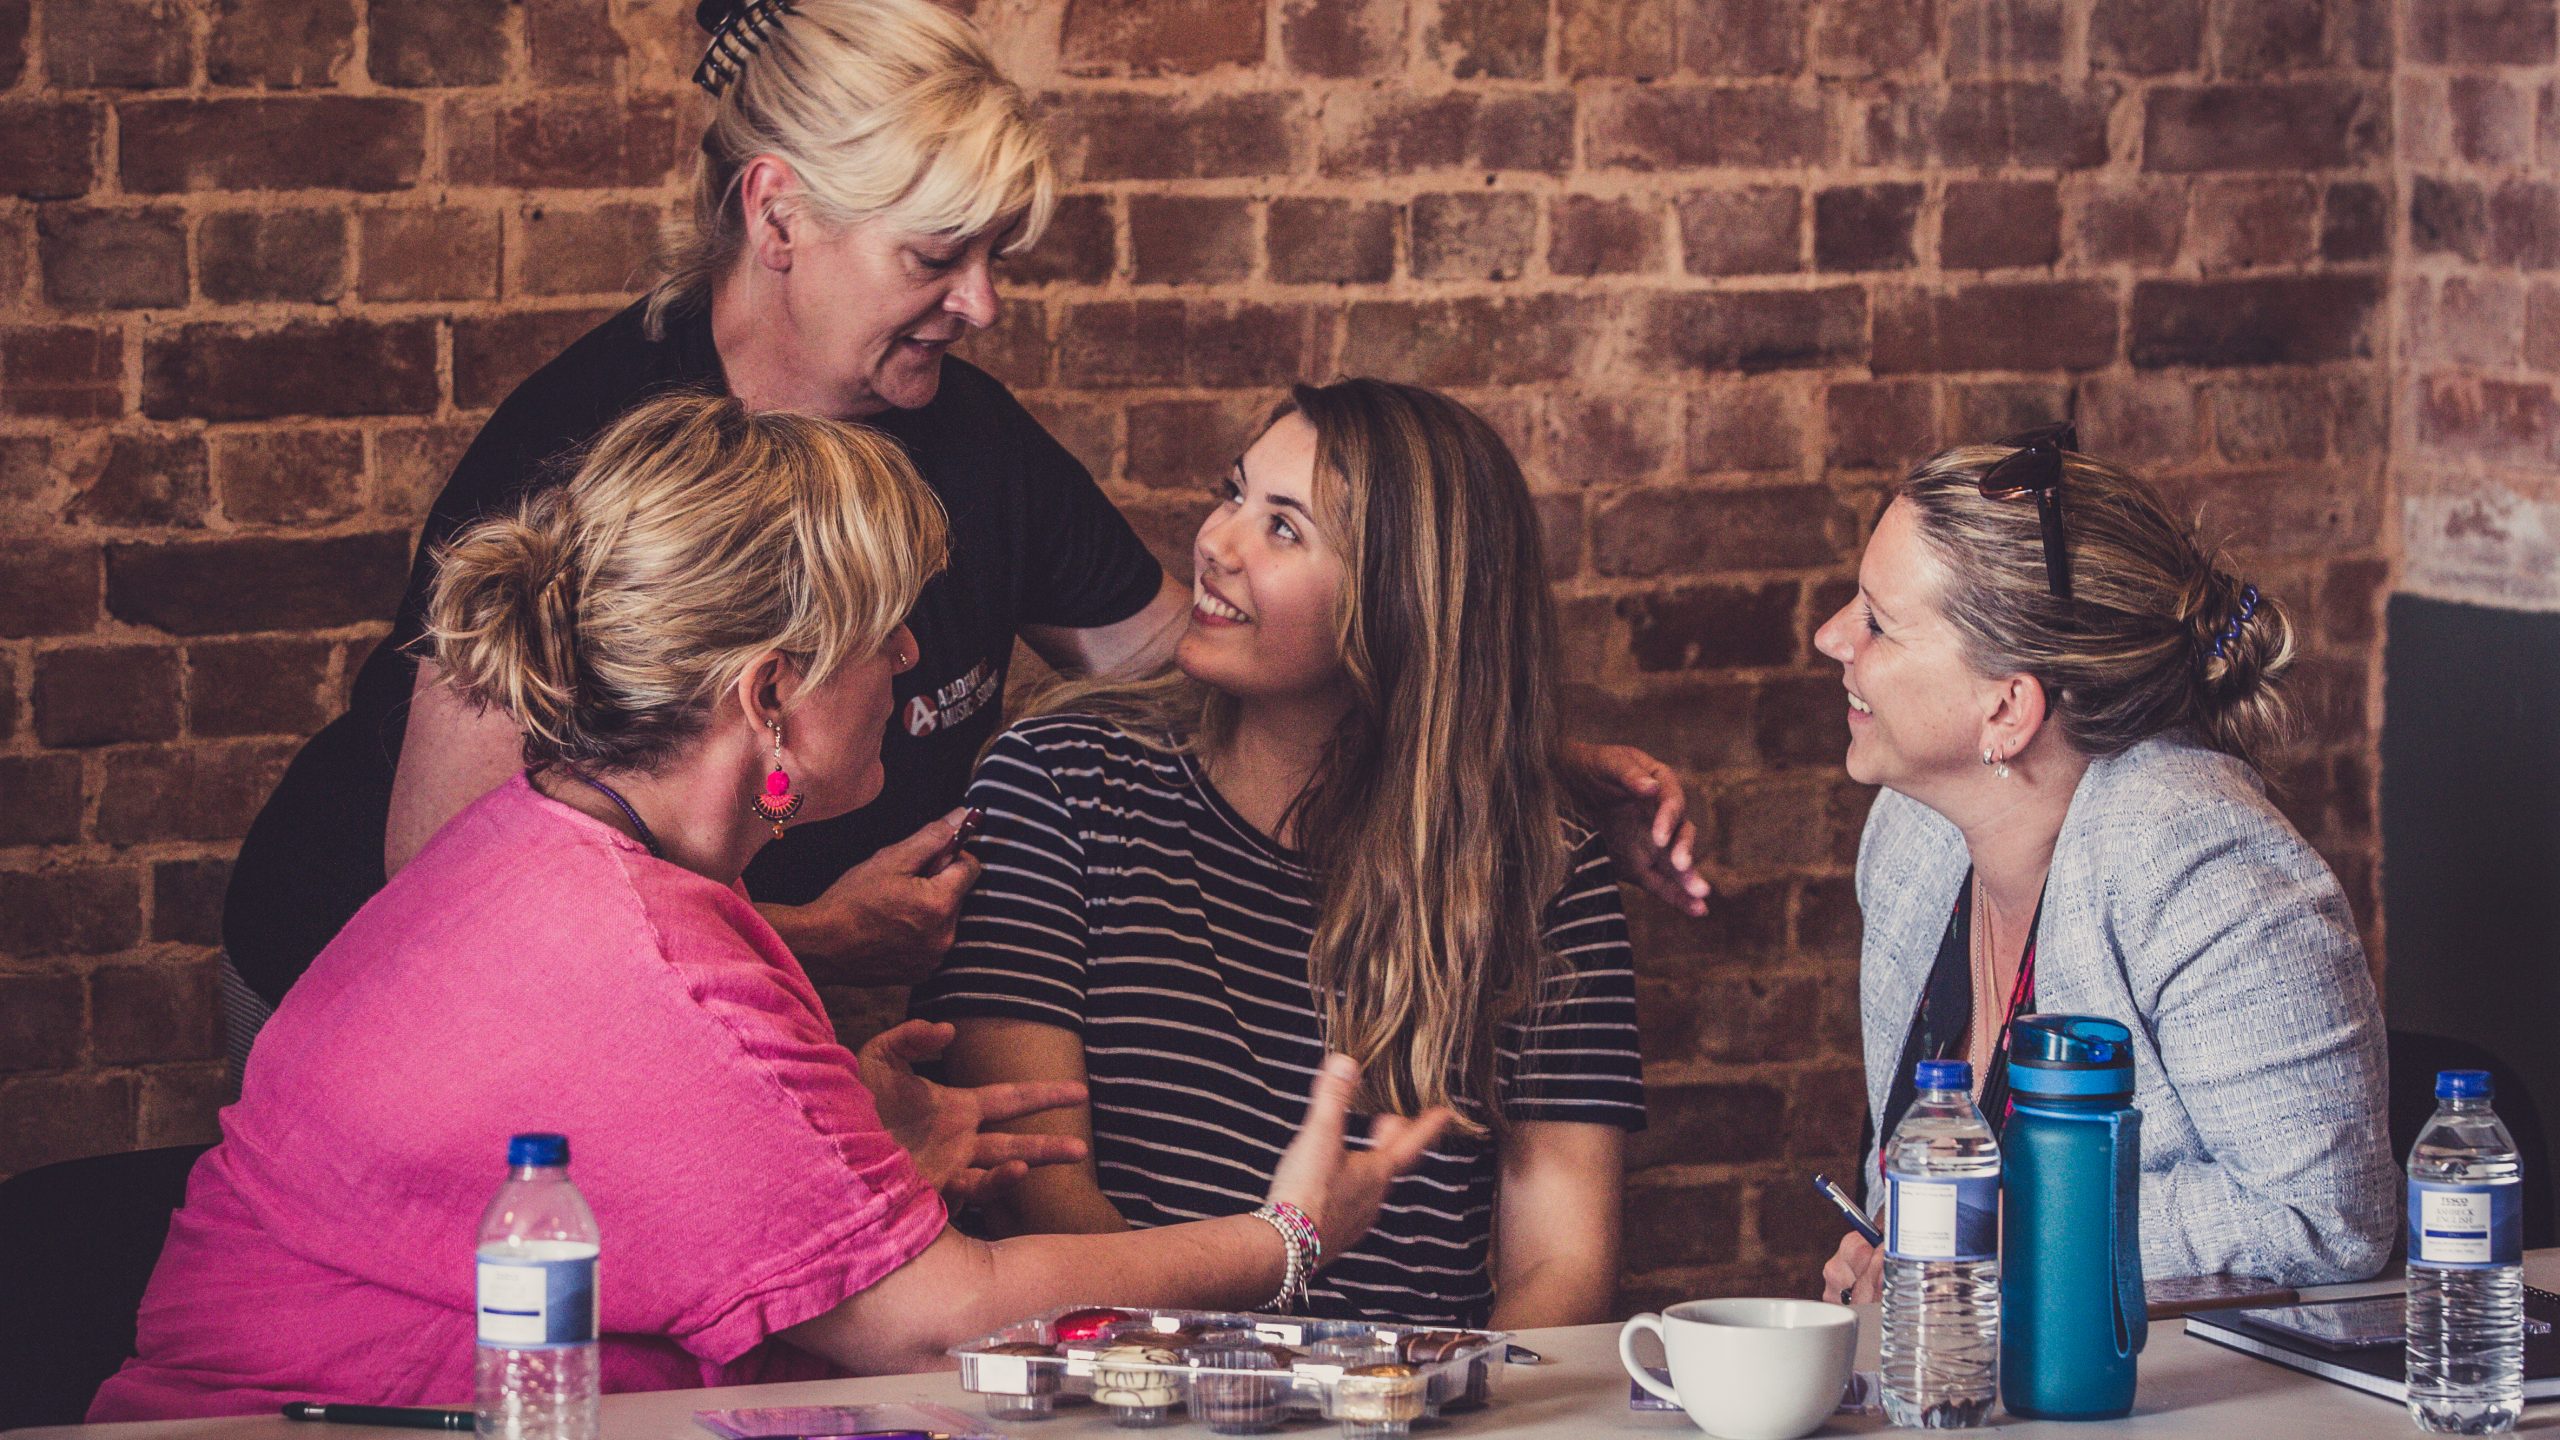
(768, 196)
(2017, 716)
(764, 690)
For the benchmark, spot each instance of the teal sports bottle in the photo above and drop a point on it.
(2071, 1316)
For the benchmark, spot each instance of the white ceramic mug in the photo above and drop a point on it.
(1750, 1369)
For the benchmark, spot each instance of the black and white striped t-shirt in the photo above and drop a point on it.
(1125, 901)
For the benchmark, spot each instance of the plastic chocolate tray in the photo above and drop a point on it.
(1234, 1374)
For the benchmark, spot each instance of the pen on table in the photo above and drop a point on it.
(1521, 1355)
(1830, 1190)
(402, 1416)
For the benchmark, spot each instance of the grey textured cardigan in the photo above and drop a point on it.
(2183, 905)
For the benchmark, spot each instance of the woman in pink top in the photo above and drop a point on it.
(715, 596)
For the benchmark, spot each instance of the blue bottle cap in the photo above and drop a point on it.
(538, 1149)
(1943, 1075)
(2462, 1085)
(2070, 1057)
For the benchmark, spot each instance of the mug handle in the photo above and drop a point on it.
(1627, 1355)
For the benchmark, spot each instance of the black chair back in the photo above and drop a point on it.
(2416, 1058)
(78, 1241)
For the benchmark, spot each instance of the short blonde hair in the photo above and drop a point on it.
(608, 615)
(2158, 634)
(889, 110)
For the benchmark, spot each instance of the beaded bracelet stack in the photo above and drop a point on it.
(1305, 1247)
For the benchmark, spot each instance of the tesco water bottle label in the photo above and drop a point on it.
(2458, 1226)
(544, 1294)
(1942, 1219)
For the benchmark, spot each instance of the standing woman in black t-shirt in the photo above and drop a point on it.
(865, 167)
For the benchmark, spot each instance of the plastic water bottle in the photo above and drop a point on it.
(535, 1371)
(2466, 1265)
(1941, 1347)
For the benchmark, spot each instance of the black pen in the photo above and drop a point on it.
(400, 1415)
(1830, 1190)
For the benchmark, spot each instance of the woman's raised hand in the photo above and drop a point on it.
(1341, 1189)
(943, 1126)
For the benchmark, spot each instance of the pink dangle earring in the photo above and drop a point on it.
(777, 804)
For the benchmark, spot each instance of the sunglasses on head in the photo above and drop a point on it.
(2035, 468)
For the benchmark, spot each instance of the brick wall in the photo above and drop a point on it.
(1717, 267)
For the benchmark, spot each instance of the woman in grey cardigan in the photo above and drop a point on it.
(2065, 698)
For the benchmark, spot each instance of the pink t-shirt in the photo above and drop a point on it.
(531, 969)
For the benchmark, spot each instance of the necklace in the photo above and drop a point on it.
(1978, 1031)
(646, 838)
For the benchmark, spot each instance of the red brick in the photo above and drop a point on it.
(17, 257)
(1865, 227)
(1754, 331)
(63, 372)
(2249, 223)
(604, 251)
(1015, 349)
(2146, 37)
(113, 259)
(1343, 39)
(440, 254)
(44, 795)
(1089, 427)
(117, 45)
(1672, 127)
(492, 355)
(2139, 419)
(2481, 32)
(47, 590)
(2494, 421)
(13, 41)
(1117, 135)
(2028, 123)
(1997, 325)
(567, 140)
(1755, 230)
(1870, 37)
(2272, 418)
(1735, 1123)
(411, 464)
(1678, 531)
(1189, 238)
(1608, 439)
(1160, 37)
(1882, 425)
(318, 142)
(2476, 319)
(1985, 35)
(1708, 627)
(1986, 409)
(1996, 224)
(1752, 425)
(1122, 342)
(327, 367)
(280, 44)
(258, 687)
(200, 792)
(2448, 217)
(1079, 246)
(2492, 120)
(52, 152)
(437, 42)
(2542, 327)
(1824, 1110)
(1483, 341)
(1386, 132)
(1339, 242)
(1179, 444)
(1798, 823)
(1599, 235)
(247, 255)
(2259, 37)
(30, 490)
(1630, 39)
(1473, 236)
(290, 477)
(1683, 1224)
(50, 1118)
(143, 1013)
(2524, 224)
(42, 1020)
(69, 910)
(186, 900)
(2355, 222)
(218, 587)
(2292, 320)
(1560, 530)
(1743, 37)
(2136, 221)
(1489, 39)
(2303, 125)
(141, 479)
(2350, 603)
(1169, 528)
(182, 1104)
(571, 42)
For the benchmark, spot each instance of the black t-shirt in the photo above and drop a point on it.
(1033, 542)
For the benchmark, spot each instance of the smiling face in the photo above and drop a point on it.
(1267, 580)
(874, 308)
(1917, 711)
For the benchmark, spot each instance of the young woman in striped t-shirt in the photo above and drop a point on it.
(1336, 824)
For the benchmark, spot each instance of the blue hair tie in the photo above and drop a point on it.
(2231, 631)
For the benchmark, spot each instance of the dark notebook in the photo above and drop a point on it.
(2361, 1342)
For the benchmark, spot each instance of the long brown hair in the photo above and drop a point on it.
(1433, 822)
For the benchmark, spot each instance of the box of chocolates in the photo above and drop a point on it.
(1231, 1374)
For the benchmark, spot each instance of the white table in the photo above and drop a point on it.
(2189, 1389)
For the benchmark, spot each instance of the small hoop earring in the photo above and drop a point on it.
(1995, 764)
(777, 804)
